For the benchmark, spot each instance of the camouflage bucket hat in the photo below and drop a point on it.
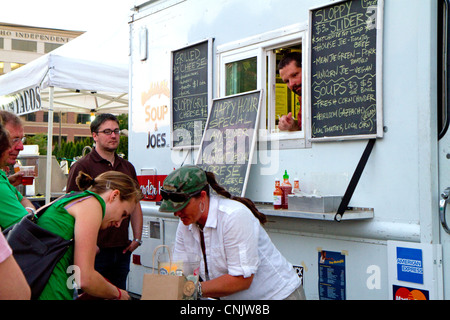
(180, 186)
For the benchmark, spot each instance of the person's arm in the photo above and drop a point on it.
(225, 285)
(136, 220)
(240, 237)
(288, 123)
(13, 285)
(11, 210)
(88, 219)
(136, 217)
(26, 203)
(73, 173)
(16, 178)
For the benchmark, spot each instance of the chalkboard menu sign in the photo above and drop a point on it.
(345, 60)
(229, 140)
(190, 93)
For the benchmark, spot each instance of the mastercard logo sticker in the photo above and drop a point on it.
(403, 293)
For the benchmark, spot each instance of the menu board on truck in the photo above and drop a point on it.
(229, 140)
(346, 70)
(191, 92)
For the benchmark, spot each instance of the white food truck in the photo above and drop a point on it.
(373, 153)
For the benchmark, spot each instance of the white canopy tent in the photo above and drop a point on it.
(88, 74)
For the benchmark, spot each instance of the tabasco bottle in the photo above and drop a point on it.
(286, 187)
(277, 195)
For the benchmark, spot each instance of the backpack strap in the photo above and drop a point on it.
(42, 209)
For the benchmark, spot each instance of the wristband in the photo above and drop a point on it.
(120, 293)
(199, 290)
(31, 210)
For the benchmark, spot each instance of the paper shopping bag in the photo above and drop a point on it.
(168, 284)
(162, 287)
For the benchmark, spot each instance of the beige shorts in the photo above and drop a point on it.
(297, 294)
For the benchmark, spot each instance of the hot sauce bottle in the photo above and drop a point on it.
(277, 195)
(286, 187)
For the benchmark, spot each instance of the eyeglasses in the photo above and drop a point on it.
(17, 141)
(109, 132)
(178, 196)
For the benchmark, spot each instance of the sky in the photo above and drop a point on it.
(78, 15)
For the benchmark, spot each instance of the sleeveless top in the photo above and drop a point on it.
(58, 220)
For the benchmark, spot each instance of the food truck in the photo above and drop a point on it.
(372, 155)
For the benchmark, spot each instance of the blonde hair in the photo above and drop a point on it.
(111, 180)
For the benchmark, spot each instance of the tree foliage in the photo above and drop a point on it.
(71, 150)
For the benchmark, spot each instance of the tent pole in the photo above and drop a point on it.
(48, 179)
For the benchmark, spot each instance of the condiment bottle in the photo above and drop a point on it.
(296, 186)
(286, 187)
(277, 195)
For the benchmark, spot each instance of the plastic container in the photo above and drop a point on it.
(28, 174)
(189, 263)
(185, 265)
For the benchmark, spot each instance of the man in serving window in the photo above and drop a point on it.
(290, 68)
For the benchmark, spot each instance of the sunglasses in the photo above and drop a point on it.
(178, 196)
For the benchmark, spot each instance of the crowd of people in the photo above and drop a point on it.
(239, 261)
(106, 202)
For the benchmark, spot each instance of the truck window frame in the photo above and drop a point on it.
(262, 48)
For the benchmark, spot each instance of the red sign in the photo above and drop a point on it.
(404, 293)
(150, 186)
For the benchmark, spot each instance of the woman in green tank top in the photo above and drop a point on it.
(106, 201)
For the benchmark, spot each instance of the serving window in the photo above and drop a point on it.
(241, 76)
(252, 64)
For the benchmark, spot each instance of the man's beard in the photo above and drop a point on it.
(297, 90)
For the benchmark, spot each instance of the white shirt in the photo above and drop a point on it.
(238, 245)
